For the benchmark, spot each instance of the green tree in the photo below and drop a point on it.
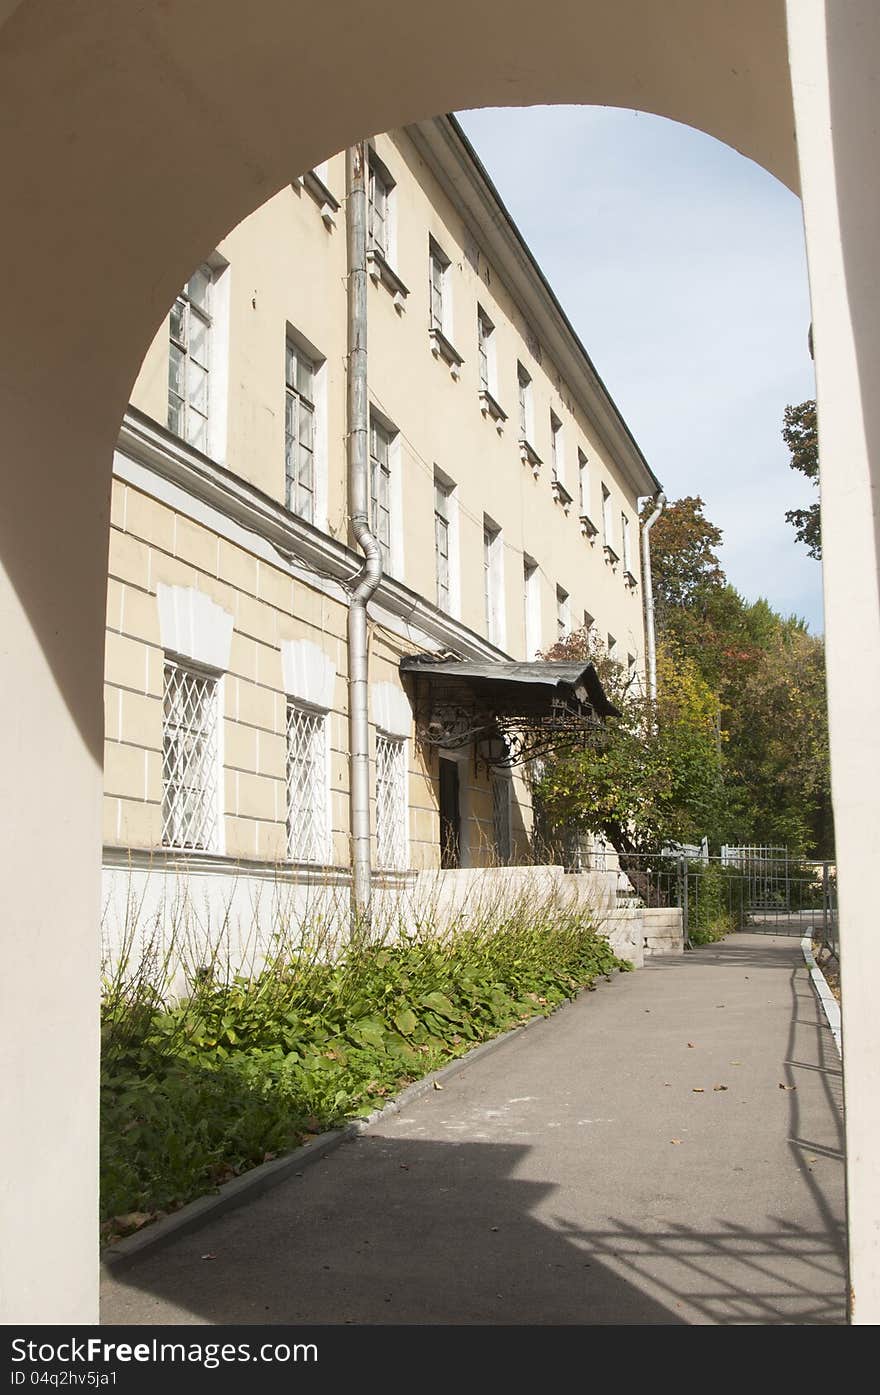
(652, 776)
(800, 434)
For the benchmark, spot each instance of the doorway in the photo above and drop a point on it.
(450, 814)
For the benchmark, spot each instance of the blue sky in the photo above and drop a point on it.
(681, 265)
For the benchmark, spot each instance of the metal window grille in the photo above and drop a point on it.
(441, 544)
(307, 793)
(380, 490)
(378, 192)
(190, 812)
(299, 433)
(501, 796)
(436, 288)
(189, 360)
(391, 801)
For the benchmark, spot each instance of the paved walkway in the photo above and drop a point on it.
(589, 1171)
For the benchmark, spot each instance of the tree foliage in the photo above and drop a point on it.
(736, 747)
(800, 434)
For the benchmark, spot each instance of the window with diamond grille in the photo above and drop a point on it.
(391, 801)
(189, 360)
(299, 433)
(501, 817)
(380, 489)
(190, 812)
(307, 794)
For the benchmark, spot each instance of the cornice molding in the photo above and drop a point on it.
(446, 149)
(396, 606)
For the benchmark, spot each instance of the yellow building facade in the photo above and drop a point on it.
(504, 490)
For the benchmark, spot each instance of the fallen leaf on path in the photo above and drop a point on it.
(675, 1140)
(209, 1256)
(736, 1063)
(719, 1087)
(690, 1043)
(786, 1087)
(697, 1090)
(437, 1085)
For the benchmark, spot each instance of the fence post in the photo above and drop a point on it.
(684, 904)
(825, 904)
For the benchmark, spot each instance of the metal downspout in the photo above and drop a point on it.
(650, 641)
(364, 584)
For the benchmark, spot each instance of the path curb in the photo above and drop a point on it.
(830, 1005)
(265, 1175)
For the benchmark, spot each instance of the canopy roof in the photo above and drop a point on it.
(521, 685)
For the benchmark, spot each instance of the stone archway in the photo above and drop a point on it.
(132, 138)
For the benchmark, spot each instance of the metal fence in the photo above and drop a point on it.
(759, 889)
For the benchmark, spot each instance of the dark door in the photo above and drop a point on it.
(450, 814)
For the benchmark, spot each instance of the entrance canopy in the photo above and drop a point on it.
(516, 711)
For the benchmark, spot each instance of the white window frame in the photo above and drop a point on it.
(380, 182)
(190, 313)
(563, 612)
(557, 448)
(381, 508)
(392, 844)
(317, 850)
(525, 402)
(215, 317)
(625, 542)
(300, 404)
(532, 606)
(583, 483)
(493, 581)
(174, 832)
(447, 488)
(611, 554)
(439, 297)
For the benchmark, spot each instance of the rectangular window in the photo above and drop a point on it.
(379, 213)
(493, 581)
(501, 817)
(556, 461)
(299, 433)
(380, 489)
(307, 792)
(607, 519)
(190, 760)
(391, 801)
(485, 346)
(189, 362)
(442, 543)
(532, 603)
(524, 399)
(625, 543)
(438, 263)
(584, 482)
(563, 613)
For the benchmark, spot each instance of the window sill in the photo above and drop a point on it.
(441, 347)
(630, 580)
(384, 274)
(327, 202)
(561, 495)
(611, 556)
(490, 408)
(529, 455)
(589, 529)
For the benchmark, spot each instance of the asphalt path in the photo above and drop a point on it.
(666, 1150)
